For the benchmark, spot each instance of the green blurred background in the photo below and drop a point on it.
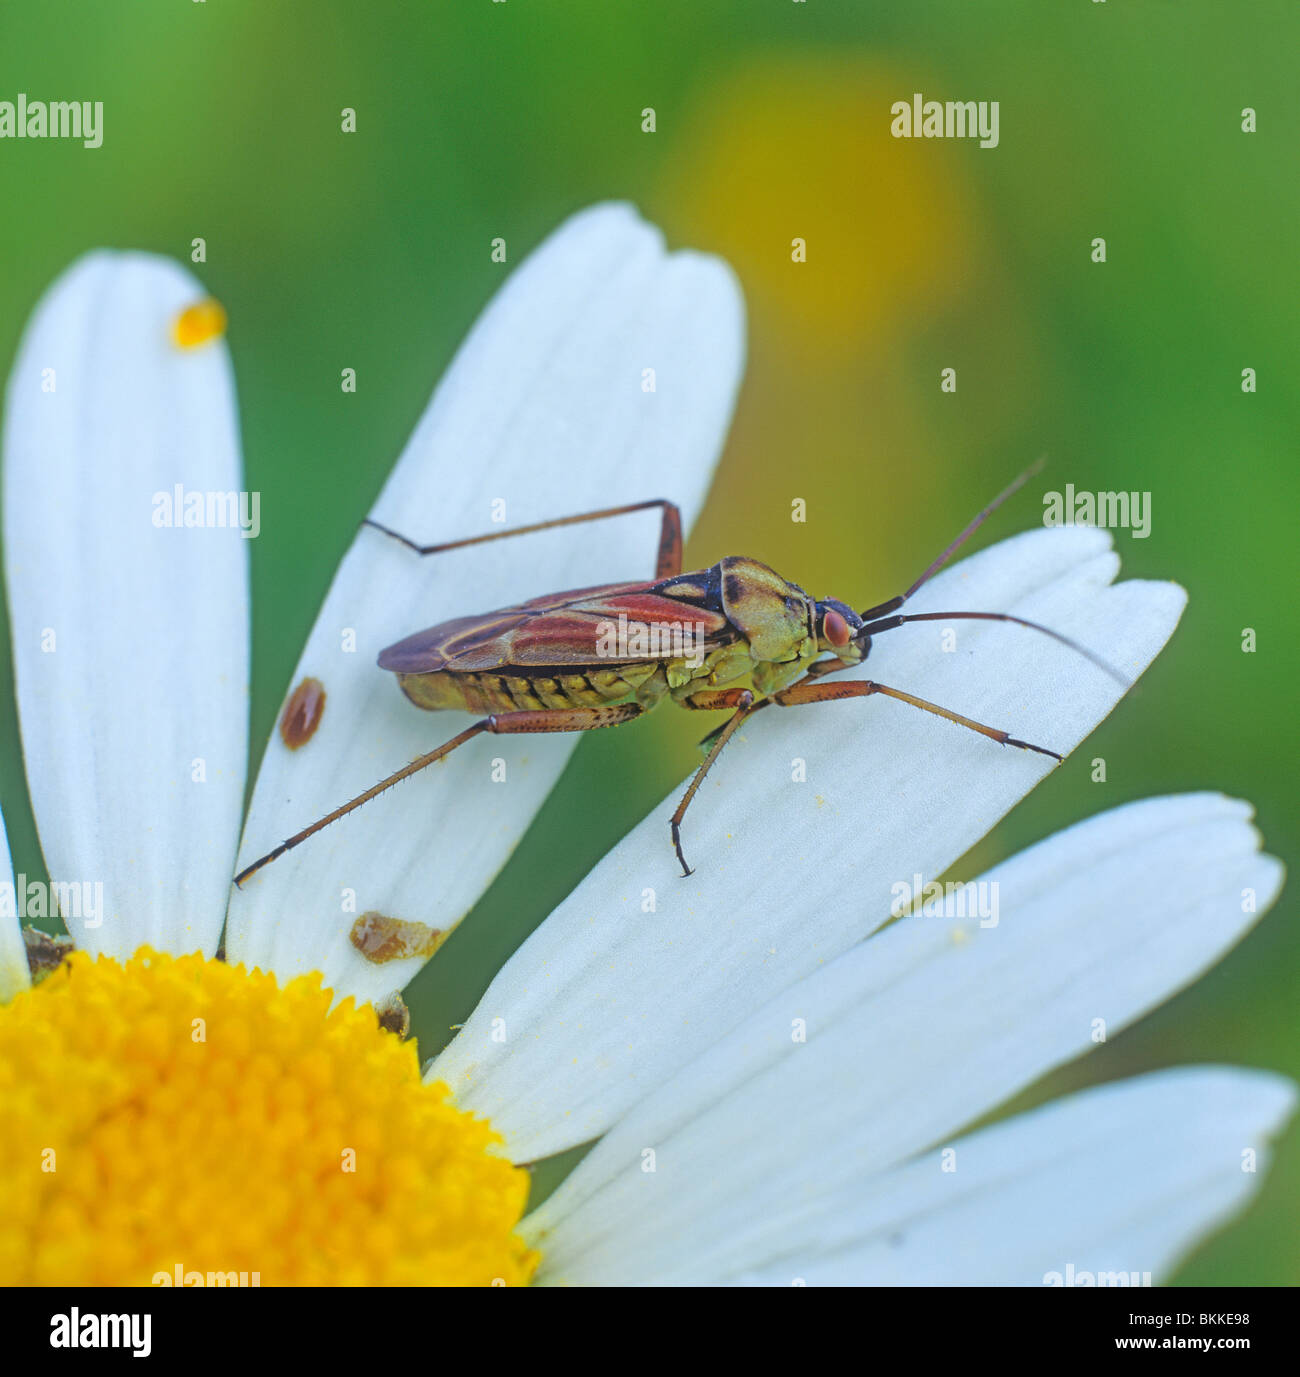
(1120, 120)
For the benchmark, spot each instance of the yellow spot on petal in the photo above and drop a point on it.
(197, 324)
(169, 1112)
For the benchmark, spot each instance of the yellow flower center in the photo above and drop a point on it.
(180, 1114)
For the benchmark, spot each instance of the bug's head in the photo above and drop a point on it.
(839, 630)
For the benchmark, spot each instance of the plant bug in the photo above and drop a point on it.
(556, 664)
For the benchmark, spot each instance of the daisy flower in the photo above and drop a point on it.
(778, 1071)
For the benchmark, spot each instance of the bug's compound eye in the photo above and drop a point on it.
(835, 629)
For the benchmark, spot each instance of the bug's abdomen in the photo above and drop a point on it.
(503, 691)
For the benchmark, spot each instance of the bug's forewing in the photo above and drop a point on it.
(575, 629)
(474, 642)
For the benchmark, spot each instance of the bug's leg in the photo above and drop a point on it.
(502, 723)
(668, 561)
(804, 692)
(711, 700)
(563, 719)
(815, 671)
(743, 701)
(819, 668)
(418, 764)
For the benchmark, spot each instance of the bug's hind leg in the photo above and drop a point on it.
(668, 560)
(804, 692)
(502, 724)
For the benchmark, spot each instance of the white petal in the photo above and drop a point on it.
(917, 1031)
(14, 974)
(1121, 1179)
(130, 639)
(606, 1000)
(543, 407)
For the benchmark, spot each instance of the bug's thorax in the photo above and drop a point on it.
(778, 622)
(775, 616)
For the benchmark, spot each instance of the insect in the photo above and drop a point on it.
(601, 656)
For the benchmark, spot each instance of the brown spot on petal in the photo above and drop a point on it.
(379, 938)
(45, 952)
(302, 713)
(394, 1017)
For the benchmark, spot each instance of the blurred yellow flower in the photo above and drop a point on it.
(799, 148)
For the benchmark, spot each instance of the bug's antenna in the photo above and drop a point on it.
(894, 603)
(889, 623)
(877, 618)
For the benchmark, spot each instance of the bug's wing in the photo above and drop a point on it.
(465, 643)
(580, 631)
(570, 628)
(581, 597)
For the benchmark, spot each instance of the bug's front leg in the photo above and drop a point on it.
(742, 700)
(804, 692)
(815, 671)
